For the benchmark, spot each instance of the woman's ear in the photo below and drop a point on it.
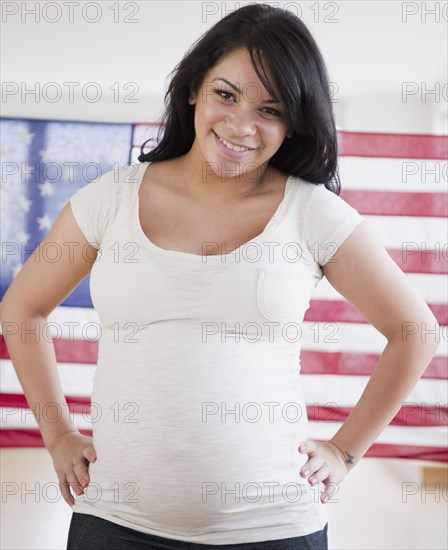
(192, 98)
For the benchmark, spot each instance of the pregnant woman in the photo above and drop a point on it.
(224, 230)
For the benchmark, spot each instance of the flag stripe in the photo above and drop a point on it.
(390, 203)
(338, 336)
(359, 364)
(318, 388)
(393, 175)
(421, 261)
(360, 144)
(411, 414)
(28, 438)
(329, 310)
(433, 289)
(318, 362)
(405, 146)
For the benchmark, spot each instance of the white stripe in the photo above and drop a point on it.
(76, 379)
(402, 175)
(432, 287)
(352, 338)
(23, 419)
(345, 391)
(135, 152)
(336, 336)
(413, 235)
(70, 323)
(392, 435)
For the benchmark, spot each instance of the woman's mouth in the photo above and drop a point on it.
(230, 148)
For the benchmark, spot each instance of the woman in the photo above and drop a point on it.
(192, 447)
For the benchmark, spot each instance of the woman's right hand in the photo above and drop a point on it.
(72, 453)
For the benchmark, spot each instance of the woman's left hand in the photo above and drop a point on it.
(325, 464)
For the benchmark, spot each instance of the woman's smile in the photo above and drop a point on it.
(230, 149)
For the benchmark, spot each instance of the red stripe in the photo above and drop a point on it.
(381, 145)
(395, 203)
(26, 438)
(80, 351)
(77, 405)
(33, 438)
(320, 311)
(359, 364)
(380, 450)
(411, 414)
(313, 362)
(325, 311)
(145, 125)
(418, 259)
(368, 144)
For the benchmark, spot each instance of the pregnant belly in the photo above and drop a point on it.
(185, 453)
(187, 480)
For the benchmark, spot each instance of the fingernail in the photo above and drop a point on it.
(302, 448)
(313, 480)
(84, 482)
(325, 499)
(305, 472)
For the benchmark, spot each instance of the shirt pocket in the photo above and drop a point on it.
(281, 294)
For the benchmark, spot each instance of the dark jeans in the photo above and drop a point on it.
(89, 532)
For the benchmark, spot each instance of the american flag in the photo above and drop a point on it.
(397, 182)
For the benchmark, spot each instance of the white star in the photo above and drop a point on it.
(115, 142)
(26, 136)
(23, 237)
(94, 156)
(46, 189)
(69, 141)
(44, 222)
(15, 270)
(25, 204)
(46, 155)
(5, 151)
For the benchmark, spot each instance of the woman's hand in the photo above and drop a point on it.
(326, 464)
(72, 453)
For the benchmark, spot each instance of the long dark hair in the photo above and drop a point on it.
(279, 38)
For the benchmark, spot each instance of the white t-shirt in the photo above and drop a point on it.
(197, 405)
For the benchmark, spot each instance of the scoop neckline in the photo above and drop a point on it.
(146, 243)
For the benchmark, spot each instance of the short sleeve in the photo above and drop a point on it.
(329, 220)
(93, 207)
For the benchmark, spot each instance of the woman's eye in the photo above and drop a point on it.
(273, 112)
(222, 94)
(219, 92)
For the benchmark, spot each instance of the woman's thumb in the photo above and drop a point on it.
(89, 453)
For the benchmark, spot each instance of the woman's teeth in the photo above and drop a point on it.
(233, 147)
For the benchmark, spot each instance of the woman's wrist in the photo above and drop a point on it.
(349, 459)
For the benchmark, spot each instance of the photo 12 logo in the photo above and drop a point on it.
(70, 12)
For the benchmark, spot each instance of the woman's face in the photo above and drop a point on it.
(244, 118)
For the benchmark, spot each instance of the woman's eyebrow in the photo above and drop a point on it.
(234, 87)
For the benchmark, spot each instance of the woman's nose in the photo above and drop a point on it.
(241, 123)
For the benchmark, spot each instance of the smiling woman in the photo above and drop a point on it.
(233, 219)
(262, 66)
(236, 134)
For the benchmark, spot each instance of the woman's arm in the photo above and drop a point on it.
(39, 287)
(363, 272)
